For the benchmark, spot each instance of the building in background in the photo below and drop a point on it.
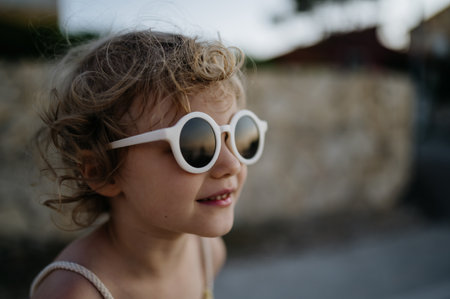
(359, 48)
(430, 62)
(430, 68)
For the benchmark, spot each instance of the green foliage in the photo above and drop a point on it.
(305, 5)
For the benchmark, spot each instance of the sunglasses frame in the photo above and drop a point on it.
(172, 135)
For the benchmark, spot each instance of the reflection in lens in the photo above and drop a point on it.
(247, 137)
(197, 142)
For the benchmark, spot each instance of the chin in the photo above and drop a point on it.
(219, 229)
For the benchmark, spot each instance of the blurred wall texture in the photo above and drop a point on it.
(338, 141)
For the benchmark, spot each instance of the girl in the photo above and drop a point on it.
(147, 128)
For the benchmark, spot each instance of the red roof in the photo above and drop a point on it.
(355, 48)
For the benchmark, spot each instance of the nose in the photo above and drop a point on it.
(227, 163)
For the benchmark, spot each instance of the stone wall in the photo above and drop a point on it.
(20, 213)
(337, 141)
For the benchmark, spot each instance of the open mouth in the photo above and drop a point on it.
(218, 197)
(222, 199)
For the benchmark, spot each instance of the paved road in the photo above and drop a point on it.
(413, 264)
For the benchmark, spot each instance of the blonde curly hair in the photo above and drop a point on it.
(95, 86)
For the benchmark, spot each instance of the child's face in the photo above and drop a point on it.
(157, 195)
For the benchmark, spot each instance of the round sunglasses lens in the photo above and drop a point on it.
(197, 142)
(247, 137)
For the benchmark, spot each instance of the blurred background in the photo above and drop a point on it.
(352, 196)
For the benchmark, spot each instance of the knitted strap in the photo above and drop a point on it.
(62, 265)
(208, 264)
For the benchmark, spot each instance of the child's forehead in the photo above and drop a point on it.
(216, 100)
(154, 114)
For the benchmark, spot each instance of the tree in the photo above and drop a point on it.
(305, 5)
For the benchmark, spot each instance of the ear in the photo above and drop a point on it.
(89, 168)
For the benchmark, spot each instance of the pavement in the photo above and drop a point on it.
(404, 264)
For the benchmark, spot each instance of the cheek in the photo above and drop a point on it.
(242, 177)
(157, 177)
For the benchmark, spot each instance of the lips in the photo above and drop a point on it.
(222, 198)
(218, 197)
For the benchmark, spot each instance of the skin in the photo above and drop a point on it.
(150, 246)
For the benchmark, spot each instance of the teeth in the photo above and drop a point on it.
(219, 197)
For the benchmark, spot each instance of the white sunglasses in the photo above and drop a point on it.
(195, 139)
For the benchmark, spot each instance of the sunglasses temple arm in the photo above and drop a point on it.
(156, 135)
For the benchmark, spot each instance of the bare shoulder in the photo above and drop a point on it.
(219, 253)
(89, 251)
(65, 284)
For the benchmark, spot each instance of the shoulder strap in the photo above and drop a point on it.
(208, 265)
(74, 267)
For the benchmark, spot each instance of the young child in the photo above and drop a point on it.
(147, 128)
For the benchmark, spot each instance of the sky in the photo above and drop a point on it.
(262, 28)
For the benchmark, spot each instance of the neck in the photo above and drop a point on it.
(152, 252)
